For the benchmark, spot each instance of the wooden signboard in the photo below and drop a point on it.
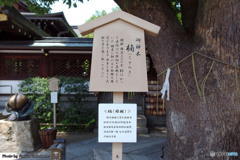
(54, 87)
(118, 58)
(53, 84)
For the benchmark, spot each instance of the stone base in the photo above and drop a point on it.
(142, 130)
(19, 136)
(142, 124)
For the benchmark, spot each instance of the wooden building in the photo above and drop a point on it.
(46, 58)
(33, 45)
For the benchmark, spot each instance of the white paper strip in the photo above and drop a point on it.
(166, 86)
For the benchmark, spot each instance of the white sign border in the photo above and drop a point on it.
(130, 138)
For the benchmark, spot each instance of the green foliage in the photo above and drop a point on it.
(176, 6)
(96, 15)
(74, 86)
(116, 9)
(76, 89)
(37, 90)
(77, 112)
(40, 6)
(44, 6)
(8, 2)
(86, 67)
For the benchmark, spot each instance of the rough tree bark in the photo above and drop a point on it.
(204, 111)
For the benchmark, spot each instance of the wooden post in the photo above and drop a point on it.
(123, 29)
(117, 147)
(117, 151)
(54, 87)
(54, 115)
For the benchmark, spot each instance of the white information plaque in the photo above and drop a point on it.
(117, 123)
(54, 97)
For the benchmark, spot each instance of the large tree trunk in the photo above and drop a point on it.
(204, 110)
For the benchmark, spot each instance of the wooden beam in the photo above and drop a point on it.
(20, 51)
(69, 52)
(20, 21)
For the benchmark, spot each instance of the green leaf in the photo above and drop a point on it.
(75, 5)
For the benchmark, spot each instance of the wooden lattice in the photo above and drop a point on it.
(15, 67)
(74, 66)
(19, 67)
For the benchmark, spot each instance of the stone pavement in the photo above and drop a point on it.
(148, 147)
(86, 147)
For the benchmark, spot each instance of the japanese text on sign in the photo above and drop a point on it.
(119, 59)
(112, 53)
(117, 122)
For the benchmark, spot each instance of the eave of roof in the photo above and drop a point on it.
(50, 42)
(59, 16)
(16, 18)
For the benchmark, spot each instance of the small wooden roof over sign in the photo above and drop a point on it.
(138, 22)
